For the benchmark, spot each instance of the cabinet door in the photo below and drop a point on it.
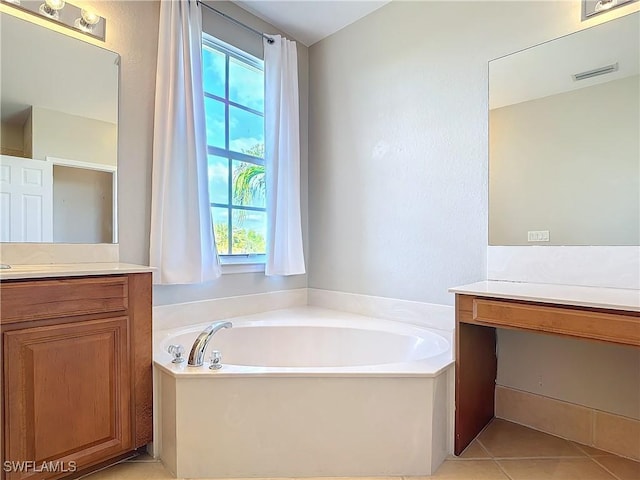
(67, 394)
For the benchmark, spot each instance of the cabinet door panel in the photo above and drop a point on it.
(69, 387)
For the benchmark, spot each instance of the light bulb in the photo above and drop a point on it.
(603, 5)
(89, 17)
(50, 8)
(55, 4)
(86, 21)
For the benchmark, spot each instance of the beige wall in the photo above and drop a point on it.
(567, 163)
(27, 138)
(58, 134)
(398, 157)
(11, 139)
(597, 375)
(82, 205)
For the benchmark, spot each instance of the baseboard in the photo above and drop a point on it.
(605, 431)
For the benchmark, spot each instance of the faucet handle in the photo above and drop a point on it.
(176, 351)
(216, 358)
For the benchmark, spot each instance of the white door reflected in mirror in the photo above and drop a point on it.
(26, 200)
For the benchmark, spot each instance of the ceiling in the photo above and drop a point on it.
(547, 69)
(44, 68)
(310, 21)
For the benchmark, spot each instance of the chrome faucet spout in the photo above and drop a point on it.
(196, 356)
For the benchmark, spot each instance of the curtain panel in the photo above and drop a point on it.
(182, 244)
(285, 254)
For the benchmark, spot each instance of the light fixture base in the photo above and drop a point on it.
(591, 8)
(69, 16)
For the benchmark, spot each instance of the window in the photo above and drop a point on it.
(234, 108)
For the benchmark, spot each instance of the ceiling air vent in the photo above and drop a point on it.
(595, 72)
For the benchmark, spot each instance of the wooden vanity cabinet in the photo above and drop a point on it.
(477, 318)
(76, 373)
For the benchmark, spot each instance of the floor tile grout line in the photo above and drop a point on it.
(502, 469)
(580, 446)
(469, 459)
(544, 457)
(484, 448)
(605, 468)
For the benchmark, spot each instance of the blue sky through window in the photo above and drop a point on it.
(234, 106)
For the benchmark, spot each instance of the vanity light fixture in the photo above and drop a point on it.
(51, 8)
(64, 13)
(595, 7)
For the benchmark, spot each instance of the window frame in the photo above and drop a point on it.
(242, 262)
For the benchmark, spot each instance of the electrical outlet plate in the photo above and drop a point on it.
(538, 236)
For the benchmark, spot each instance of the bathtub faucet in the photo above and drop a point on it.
(196, 357)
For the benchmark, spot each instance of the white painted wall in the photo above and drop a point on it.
(398, 162)
(399, 158)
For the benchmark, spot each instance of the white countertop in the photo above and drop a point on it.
(70, 270)
(595, 297)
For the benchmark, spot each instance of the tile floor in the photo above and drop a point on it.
(504, 451)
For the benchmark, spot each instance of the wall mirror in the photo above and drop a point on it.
(58, 137)
(564, 149)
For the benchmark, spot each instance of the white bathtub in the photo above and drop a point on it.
(306, 392)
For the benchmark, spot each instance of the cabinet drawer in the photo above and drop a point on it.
(607, 326)
(41, 299)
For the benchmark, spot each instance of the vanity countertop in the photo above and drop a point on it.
(593, 297)
(70, 270)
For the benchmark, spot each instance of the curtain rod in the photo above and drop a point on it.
(237, 22)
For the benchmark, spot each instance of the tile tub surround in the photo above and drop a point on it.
(191, 313)
(428, 315)
(475, 463)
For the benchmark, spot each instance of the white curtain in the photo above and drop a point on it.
(182, 245)
(282, 157)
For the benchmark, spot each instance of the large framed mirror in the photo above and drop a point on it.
(564, 147)
(58, 137)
